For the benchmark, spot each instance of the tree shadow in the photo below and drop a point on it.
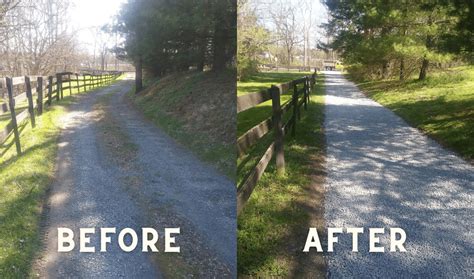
(384, 173)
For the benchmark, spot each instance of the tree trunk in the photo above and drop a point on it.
(425, 63)
(220, 36)
(202, 56)
(305, 63)
(102, 61)
(385, 69)
(200, 66)
(402, 69)
(424, 69)
(138, 76)
(289, 58)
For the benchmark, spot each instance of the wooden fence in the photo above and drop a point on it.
(271, 67)
(300, 97)
(45, 89)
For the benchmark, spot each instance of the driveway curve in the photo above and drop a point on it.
(170, 188)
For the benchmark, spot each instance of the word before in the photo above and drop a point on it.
(149, 239)
(313, 239)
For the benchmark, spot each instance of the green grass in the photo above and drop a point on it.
(196, 109)
(24, 181)
(265, 79)
(6, 117)
(276, 216)
(442, 106)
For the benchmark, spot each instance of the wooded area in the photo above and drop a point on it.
(203, 37)
(279, 33)
(37, 38)
(381, 39)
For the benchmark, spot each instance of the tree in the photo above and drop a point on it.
(251, 42)
(287, 26)
(166, 36)
(372, 35)
(34, 38)
(461, 38)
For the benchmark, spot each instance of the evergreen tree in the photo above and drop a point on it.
(165, 36)
(374, 36)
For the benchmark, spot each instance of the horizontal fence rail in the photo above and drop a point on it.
(40, 91)
(301, 89)
(272, 67)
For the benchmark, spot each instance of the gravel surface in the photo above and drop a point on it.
(384, 173)
(92, 191)
(194, 192)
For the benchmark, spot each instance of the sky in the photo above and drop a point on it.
(87, 15)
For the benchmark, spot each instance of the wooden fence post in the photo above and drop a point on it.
(84, 80)
(305, 90)
(39, 90)
(278, 128)
(310, 88)
(295, 109)
(50, 89)
(11, 103)
(70, 87)
(59, 86)
(29, 96)
(77, 83)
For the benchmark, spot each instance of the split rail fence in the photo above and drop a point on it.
(27, 96)
(300, 97)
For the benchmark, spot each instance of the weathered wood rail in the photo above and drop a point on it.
(272, 67)
(301, 89)
(40, 91)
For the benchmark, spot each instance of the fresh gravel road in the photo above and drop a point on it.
(164, 186)
(384, 173)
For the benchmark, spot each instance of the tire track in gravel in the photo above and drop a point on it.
(164, 186)
(384, 173)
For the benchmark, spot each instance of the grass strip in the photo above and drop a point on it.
(275, 221)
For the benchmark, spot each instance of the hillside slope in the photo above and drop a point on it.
(198, 110)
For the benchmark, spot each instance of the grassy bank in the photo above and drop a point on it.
(198, 110)
(274, 223)
(442, 106)
(24, 181)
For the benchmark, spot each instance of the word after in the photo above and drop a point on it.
(397, 239)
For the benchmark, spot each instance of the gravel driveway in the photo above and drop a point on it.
(384, 173)
(173, 189)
